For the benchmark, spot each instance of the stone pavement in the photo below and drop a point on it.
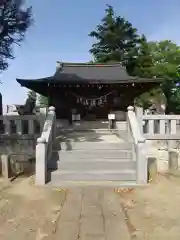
(92, 214)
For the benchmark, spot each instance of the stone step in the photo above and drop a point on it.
(96, 175)
(91, 125)
(95, 146)
(114, 184)
(94, 154)
(79, 166)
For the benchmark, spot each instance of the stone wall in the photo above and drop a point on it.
(160, 150)
(21, 154)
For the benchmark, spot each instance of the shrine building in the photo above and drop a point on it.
(93, 90)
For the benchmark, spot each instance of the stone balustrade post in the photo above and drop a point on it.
(139, 114)
(141, 161)
(41, 161)
(130, 109)
(7, 124)
(5, 168)
(51, 110)
(173, 131)
(152, 170)
(19, 127)
(173, 160)
(31, 128)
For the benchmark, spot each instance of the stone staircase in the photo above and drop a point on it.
(93, 158)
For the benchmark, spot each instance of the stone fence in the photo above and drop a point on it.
(162, 135)
(18, 136)
(158, 127)
(21, 125)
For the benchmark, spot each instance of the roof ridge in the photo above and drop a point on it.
(78, 64)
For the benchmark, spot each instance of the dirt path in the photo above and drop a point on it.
(27, 212)
(154, 212)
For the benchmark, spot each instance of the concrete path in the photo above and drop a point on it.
(92, 214)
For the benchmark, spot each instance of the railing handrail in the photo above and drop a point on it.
(134, 126)
(138, 146)
(19, 117)
(47, 129)
(16, 124)
(162, 137)
(44, 146)
(160, 117)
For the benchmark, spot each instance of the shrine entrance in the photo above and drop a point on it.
(93, 114)
(91, 108)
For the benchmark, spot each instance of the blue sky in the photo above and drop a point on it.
(60, 33)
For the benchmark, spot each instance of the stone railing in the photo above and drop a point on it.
(44, 147)
(162, 133)
(138, 146)
(160, 127)
(15, 125)
(18, 135)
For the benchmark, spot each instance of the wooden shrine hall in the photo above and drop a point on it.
(92, 90)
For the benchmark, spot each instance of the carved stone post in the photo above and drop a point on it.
(141, 161)
(52, 111)
(152, 169)
(173, 131)
(5, 166)
(139, 114)
(41, 161)
(173, 160)
(130, 109)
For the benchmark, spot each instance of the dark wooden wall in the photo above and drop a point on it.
(64, 100)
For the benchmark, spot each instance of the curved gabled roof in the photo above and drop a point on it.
(88, 73)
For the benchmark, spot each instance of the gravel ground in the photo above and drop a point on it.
(153, 212)
(28, 212)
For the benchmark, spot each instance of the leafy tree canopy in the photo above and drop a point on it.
(166, 59)
(14, 22)
(118, 41)
(42, 101)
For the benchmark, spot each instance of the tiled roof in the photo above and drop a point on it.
(91, 72)
(88, 73)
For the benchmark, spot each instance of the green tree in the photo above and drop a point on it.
(43, 101)
(116, 39)
(142, 65)
(166, 59)
(14, 22)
